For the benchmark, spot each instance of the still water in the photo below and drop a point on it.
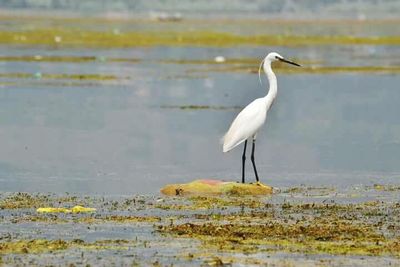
(158, 121)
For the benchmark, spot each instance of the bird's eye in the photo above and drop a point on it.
(276, 57)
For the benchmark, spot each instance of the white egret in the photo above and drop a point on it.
(253, 116)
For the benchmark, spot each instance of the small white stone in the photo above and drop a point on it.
(219, 59)
(57, 39)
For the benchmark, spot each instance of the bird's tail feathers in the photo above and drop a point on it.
(223, 140)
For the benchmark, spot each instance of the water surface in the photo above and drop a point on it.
(129, 120)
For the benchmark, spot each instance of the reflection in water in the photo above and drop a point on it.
(145, 129)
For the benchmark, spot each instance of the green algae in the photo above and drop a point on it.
(94, 219)
(72, 59)
(39, 58)
(279, 68)
(33, 246)
(251, 65)
(118, 219)
(59, 76)
(388, 188)
(88, 38)
(317, 229)
(338, 238)
(23, 201)
(307, 228)
(209, 202)
(228, 61)
(36, 246)
(201, 107)
(117, 33)
(296, 222)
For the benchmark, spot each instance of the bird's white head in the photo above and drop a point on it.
(271, 57)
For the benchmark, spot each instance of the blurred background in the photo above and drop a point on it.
(122, 97)
(361, 9)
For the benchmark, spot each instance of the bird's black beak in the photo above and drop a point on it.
(289, 62)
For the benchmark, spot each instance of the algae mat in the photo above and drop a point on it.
(106, 33)
(299, 226)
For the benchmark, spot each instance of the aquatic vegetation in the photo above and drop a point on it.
(210, 202)
(73, 59)
(250, 65)
(118, 219)
(210, 229)
(381, 187)
(86, 37)
(23, 201)
(289, 227)
(228, 61)
(214, 202)
(201, 107)
(35, 246)
(339, 229)
(318, 236)
(65, 76)
(303, 69)
(201, 38)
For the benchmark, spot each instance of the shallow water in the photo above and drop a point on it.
(145, 229)
(104, 121)
(129, 120)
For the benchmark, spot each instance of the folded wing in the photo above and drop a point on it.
(245, 125)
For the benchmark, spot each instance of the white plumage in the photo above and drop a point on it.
(246, 124)
(249, 121)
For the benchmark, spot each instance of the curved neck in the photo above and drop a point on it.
(273, 86)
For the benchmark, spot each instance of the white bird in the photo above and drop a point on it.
(253, 116)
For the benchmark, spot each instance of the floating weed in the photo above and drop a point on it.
(224, 227)
(310, 228)
(90, 219)
(23, 201)
(229, 61)
(388, 188)
(36, 246)
(201, 107)
(107, 39)
(210, 202)
(73, 59)
(99, 77)
(303, 69)
(118, 219)
(317, 229)
(33, 246)
(184, 77)
(316, 236)
(310, 191)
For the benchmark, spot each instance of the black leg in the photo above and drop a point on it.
(252, 159)
(243, 160)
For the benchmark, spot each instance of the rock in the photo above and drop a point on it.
(216, 187)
